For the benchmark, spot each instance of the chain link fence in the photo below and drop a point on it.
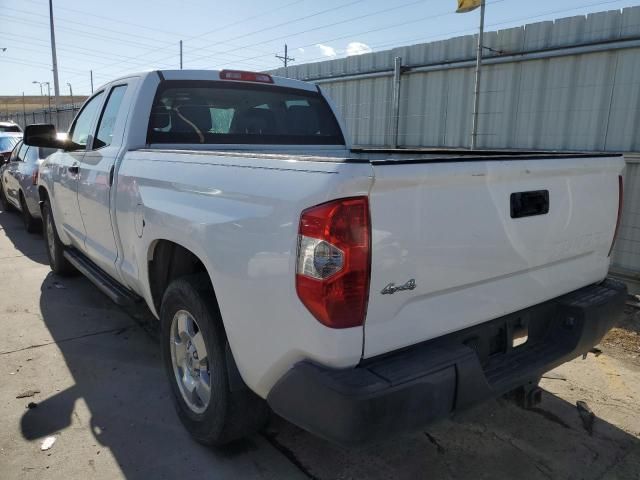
(61, 117)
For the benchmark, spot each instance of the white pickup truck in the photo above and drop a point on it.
(354, 292)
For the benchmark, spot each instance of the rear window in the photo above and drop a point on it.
(10, 128)
(7, 143)
(214, 112)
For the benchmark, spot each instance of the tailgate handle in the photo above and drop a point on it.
(529, 204)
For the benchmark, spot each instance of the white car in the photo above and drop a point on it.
(10, 127)
(354, 292)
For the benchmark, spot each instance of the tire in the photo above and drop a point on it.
(31, 224)
(4, 203)
(55, 249)
(228, 415)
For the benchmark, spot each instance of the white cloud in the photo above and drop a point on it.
(358, 48)
(301, 50)
(326, 50)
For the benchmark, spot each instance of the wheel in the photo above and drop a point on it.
(4, 203)
(55, 249)
(193, 345)
(31, 224)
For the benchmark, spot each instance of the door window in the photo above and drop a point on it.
(109, 117)
(81, 129)
(32, 155)
(7, 143)
(14, 152)
(21, 153)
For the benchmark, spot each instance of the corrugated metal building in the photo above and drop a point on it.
(569, 84)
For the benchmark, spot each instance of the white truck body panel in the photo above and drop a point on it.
(448, 226)
(246, 237)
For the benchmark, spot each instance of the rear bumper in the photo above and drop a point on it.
(413, 387)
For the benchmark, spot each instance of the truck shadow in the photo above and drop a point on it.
(119, 402)
(29, 245)
(120, 386)
(496, 440)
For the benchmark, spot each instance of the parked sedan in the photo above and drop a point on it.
(10, 127)
(19, 179)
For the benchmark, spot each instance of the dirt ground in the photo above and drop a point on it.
(623, 341)
(75, 367)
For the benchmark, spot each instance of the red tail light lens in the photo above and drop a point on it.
(334, 261)
(245, 76)
(620, 204)
(34, 177)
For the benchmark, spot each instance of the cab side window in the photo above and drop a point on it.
(21, 153)
(81, 128)
(14, 152)
(32, 155)
(109, 116)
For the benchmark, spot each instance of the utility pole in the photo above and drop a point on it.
(24, 111)
(180, 54)
(91, 73)
(476, 94)
(286, 59)
(54, 60)
(49, 97)
(70, 92)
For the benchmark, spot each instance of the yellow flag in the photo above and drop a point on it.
(465, 6)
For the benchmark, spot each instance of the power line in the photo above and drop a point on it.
(401, 42)
(305, 17)
(100, 27)
(99, 36)
(223, 27)
(352, 34)
(246, 59)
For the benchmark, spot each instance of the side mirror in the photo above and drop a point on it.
(42, 135)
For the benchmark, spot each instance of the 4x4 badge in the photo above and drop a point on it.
(393, 288)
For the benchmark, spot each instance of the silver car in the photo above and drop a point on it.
(19, 183)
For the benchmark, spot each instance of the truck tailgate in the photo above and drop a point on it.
(445, 233)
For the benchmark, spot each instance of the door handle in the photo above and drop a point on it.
(529, 204)
(74, 169)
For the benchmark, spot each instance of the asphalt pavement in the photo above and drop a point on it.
(75, 367)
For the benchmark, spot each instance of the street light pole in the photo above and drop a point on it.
(39, 83)
(70, 92)
(54, 60)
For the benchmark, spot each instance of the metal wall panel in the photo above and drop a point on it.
(585, 102)
(626, 254)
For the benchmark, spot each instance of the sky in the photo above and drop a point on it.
(122, 36)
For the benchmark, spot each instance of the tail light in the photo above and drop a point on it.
(34, 177)
(334, 261)
(245, 76)
(620, 203)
